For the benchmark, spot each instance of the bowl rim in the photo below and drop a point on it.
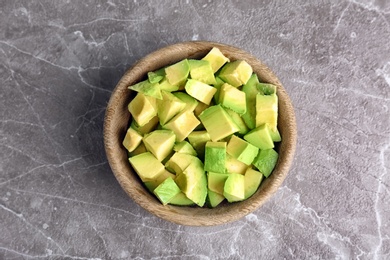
(113, 136)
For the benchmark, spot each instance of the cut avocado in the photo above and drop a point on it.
(146, 166)
(147, 88)
(216, 59)
(253, 179)
(214, 199)
(181, 200)
(168, 107)
(218, 85)
(199, 90)
(275, 135)
(177, 73)
(132, 139)
(198, 140)
(237, 119)
(147, 128)
(266, 161)
(234, 189)
(242, 150)
(267, 110)
(155, 77)
(160, 143)
(236, 73)
(201, 70)
(151, 185)
(142, 108)
(217, 123)
(266, 88)
(216, 181)
(140, 149)
(166, 86)
(215, 157)
(184, 147)
(235, 166)
(250, 90)
(260, 137)
(178, 162)
(232, 98)
(190, 102)
(167, 190)
(182, 125)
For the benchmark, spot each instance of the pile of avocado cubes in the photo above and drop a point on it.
(203, 131)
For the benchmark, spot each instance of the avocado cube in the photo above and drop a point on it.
(167, 190)
(151, 185)
(190, 102)
(217, 85)
(140, 149)
(168, 107)
(132, 139)
(201, 70)
(160, 143)
(217, 123)
(199, 90)
(156, 77)
(182, 124)
(237, 119)
(216, 181)
(236, 73)
(142, 108)
(265, 161)
(214, 199)
(177, 73)
(146, 166)
(216, 59)
(267, 110)
(200, 108)
(198, 140)
(260, 137)
(234, 189)
(250, 89)
(266, 88)
(166, 86)
(242, 150)
(235, 166)
(232, 98)
(147, 88)
(215, 157)
(275, 135)
(193, 182)
(184, 147)
(178, 162)
(253, 179)
(181, 200)
(147, 128)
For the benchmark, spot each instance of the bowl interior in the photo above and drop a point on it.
(117, 121)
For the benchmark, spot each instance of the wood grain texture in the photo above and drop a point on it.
(117, 120)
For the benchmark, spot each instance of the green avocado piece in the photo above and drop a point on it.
(190, 102)
(132, 139)
(177, 73)
(260, 137)
(217, 85)
(232, 98)
(146, 166)
(250, 89)
(160, 143)
(234, 189)
(156, 77)
(184, 147)
(182, 124)
(167, 190)
(216, 59)
(181, 200)
(267, 88)
(216, 181)
(275, 135)
(178, 162)
(267, 110)
(147, 88)
(140, 149)
(165, 85)
(235, 166)
(215, 157)
(143, 108)
(236, 73)
(201, 70)
(169, 107)
(151, 185)
(199, 90)
(242, 150)
(198, 140)
(265, 161)
(147, 128)
(237, 119)
(193, 182)
(253, 179)
(217, 122)
(214, 199)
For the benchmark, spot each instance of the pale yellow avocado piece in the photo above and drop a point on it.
(177, 73)
(190, 102)
(232, 98)
(236, 73)
(184, 147)
(216, 59)
(201, 70)
(182, 124)
(132, 139)
(178, 162)
(235, 166)
(160, 143)
(234, 189)
(200, 108)
(143, 108)
(199, 90)
(151, 185)
(267, 111)
(214, 198)
(198, 140)
(216, 181)
(166, 86)
(147, 128)
(146, 166)
(168, 107)
(193, 182)
(253, 179)
(140, 149)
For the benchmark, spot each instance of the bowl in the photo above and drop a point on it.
(117, 120)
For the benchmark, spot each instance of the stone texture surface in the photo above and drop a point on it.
(60, 60)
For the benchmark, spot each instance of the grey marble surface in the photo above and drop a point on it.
(59, 62)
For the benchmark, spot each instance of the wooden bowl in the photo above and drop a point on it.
(117, 121)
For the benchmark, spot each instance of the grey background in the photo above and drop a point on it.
(59, 62)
